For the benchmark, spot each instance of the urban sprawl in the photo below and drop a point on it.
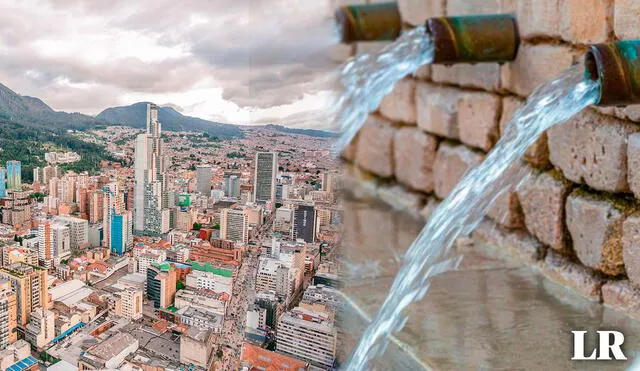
(185, 252)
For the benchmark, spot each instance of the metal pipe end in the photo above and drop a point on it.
(474, 39)
(371, 22)
(616, 66)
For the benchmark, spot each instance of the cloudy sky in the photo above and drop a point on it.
(235, 61)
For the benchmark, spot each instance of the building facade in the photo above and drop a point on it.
(161, 285)
(266, 169)
(14, 175)
(30, 283)
(234, 225)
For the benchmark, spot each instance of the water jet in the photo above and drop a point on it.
(463, 39)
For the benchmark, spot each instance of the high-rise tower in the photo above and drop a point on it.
(14, 175)
(265, 177)
(3, 179)
(151, 185)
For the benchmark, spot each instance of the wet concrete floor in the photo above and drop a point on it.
(490, 314)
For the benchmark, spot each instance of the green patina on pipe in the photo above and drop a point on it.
(473, 39)
(371, 22)
(617, 67)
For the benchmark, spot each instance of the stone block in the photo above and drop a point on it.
(400, 104)
(542, 198)
(562, 271)
(633, 162)
(625, 19)
(452, 161)
(471, 7)
(414, 155)
(592, 149)
(402, 199)
(631, 248)
(374, 149)
(361, 184)
(586, 21)
(484, 76)
(416, 12)
(437, 109)
(538, 18)
(349, 152)
(423, 73)
(516, 242)
(535, 65)
(595, 224)
(507, 211)
(622, 296)
(538, 154)
(478, 115)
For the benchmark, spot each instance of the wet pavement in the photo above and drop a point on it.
(491, 313)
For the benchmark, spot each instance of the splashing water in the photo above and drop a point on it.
(369, 78)
(551, 104)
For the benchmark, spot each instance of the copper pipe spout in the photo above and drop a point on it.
(473, 39)
(616, 66)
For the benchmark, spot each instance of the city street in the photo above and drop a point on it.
(231, 338)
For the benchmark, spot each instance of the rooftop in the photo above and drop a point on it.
(198, 333)
(112, 346)
(263, 359)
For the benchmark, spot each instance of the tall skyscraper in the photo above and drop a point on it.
(3, 180)
(112, 204)
(150, 192)
(234, 225)
(14, 175)
(304, 222)
(121, 237)
(264, 189)
(232, 185)
(204, 173)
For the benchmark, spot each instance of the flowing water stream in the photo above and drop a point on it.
(367, 79)
(551, 104)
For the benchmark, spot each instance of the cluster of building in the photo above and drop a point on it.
(61, 157)
(144, 265)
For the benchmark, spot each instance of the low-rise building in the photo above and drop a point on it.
(256, 358)
(196, 347)
(41, 328)
(108, 354)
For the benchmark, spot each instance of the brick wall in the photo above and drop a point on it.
(576, 218)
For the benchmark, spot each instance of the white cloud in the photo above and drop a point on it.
(236, 61)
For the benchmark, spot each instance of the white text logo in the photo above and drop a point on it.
(609, 342)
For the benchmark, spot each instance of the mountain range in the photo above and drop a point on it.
(135, 116)
(34, 113)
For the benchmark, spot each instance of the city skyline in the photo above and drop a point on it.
(230, 243)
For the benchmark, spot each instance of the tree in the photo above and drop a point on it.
(180, 285)
(196, 226)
